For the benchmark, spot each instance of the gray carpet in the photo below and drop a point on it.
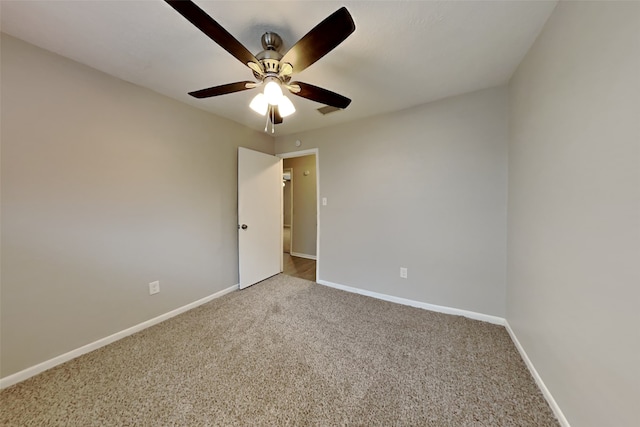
(290, 352)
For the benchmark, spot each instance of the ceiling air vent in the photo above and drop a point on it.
(328, 109)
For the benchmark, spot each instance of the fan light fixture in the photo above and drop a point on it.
(272, 96)
(272, 91)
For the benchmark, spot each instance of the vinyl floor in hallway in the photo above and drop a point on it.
(299, 267)
(295, 266)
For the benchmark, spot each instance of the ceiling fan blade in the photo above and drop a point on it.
(320, 40)
(221, 90)
(211, 28)
(321, 95)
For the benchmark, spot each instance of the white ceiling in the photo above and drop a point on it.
(402, 53)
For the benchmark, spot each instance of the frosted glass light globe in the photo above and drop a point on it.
(273, 92)
(286, 108)
(259, 104)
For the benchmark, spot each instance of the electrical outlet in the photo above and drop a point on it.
(154, 287)
(403, 272)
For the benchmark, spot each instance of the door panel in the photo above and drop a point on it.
(259, 216)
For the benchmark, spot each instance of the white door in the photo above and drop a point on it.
(259, 216)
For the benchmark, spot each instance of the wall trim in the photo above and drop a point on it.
(58, 360)
(431, 307)
(534, 373)
(300, 153)
(299, 255)
(472, 315)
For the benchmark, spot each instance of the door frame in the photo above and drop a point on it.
(290, 206)
(303, 153)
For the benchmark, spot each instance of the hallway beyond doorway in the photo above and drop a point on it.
(299, 267)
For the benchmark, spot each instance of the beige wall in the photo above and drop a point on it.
(574, 210)
(423, 188)
(106, 187)
(304, 230)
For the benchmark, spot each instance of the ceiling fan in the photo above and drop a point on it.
(271, 67)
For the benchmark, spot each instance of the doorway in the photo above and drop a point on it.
(300, 225)
(287, 208)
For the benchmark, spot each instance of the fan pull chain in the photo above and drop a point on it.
(273, 120)
(271, 116)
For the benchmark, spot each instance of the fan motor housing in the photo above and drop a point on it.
(271, 41)
(270, 56)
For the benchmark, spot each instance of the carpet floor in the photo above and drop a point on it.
(291, 352)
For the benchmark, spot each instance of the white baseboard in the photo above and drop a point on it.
(299, 255)
(431, 307)
(534, 373)
(472, 315)
(41, 367)
(48, 364)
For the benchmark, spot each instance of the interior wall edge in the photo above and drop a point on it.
(538, 379)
